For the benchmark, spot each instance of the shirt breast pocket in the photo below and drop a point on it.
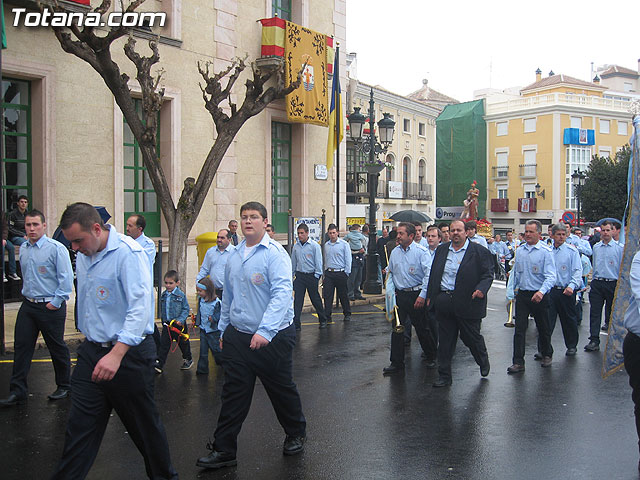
(104, 293)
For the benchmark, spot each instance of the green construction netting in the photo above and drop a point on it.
(461, 158)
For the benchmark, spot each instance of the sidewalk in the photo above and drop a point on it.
(73, 337)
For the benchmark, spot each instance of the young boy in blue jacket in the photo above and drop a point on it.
(175, 309)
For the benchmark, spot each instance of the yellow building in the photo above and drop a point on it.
(67, 140)
(538, 137)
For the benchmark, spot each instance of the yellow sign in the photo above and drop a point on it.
(354, 220)
(309, 102)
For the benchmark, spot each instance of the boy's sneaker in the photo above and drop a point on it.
(13, 276)
(157, 367)
(186, 365)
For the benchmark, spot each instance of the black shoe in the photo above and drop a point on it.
(442, 383)
(347, 317)
(546, 362)
(393, 369)
(485, 367)
(515, 368)
(604, 328)
(293, 445)
(12, 400)
(537, 356)
(360, 298)
(592, 347)
(217, 460)
(60, 393)
(430, 364)
(322, 325)
(571, 352)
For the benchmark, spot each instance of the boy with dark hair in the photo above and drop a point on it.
(174, 310)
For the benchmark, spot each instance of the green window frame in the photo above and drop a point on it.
(282, 8)
(139, 196)
(280, 175)
(16, 132)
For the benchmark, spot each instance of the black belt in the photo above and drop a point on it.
(305, 273)
(607, 279)
(559, 288)
(410, 289)
(528, 291)
(448, 292)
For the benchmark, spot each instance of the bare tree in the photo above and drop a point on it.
(85, 43)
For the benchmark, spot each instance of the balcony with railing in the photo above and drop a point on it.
(358, 189)
(562, 99)
(528, 170)
(500, 172)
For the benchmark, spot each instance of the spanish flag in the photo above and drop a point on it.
(336, 133)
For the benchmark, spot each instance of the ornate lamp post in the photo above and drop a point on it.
(578, 180)
(369, 145)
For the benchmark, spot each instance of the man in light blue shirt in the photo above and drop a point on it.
(215, 261)
(115, 362)
(562, 298)
(534, 275)
(306, 262)
(258, 337)
(607, 257)
(419, 238)
(409, 264)
(47, 283)
(574, 238)
(471, 229)
(337, 267)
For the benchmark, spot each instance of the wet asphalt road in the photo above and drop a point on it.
(559, 423)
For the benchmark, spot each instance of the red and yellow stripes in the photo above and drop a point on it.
(273, 36)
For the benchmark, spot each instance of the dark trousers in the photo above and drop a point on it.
(565, 307)
(405, 302)
(306, 282)
(449, 326)
(34, 318)
(601, 293)
(631, 352)
(273, 365)
(130, 393)
(337, 281)
(540, 312)
(432, 324)
(208, 341)
(355, 277)
(168, 336)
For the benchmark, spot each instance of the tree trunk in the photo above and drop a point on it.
(178, 237)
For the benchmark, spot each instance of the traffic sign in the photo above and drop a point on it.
(568, 217)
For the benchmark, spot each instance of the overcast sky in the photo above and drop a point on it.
(461, 46)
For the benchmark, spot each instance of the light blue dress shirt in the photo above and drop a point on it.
(410, 267)
(258, 295)
(632, 315)
(534, 268)
(46, 271)
(149, 248)
(568, 267)
(214, 264)
(113, 292)
(307, 258)
(583, 246)
(337, 255)
(607, 258)
(451, 265)
(423, 241)
(479, 239)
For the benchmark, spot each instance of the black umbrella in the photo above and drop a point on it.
(602, 220)
(411, 216)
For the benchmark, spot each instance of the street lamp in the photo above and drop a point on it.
(369, 145)
(578, 180)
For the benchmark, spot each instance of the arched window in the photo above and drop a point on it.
(390, 159)
(406, 172)
(422, 174)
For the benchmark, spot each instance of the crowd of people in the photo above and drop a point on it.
(438, 278)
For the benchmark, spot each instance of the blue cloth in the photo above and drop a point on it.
(209, 315)
(258, 295)
(410, 267)
(607, 259)
(479, 239)
(583, 246)
(632, 315)
(451, 265)
(572, 136)
(534, 268)
(214, 264)
(355, 239)
(307, 258)
(46, 270)
(175, 306)
(113, 292)
(586, 265)
(568, 267)
(337, 255)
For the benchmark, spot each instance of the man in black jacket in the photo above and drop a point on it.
(461, 275)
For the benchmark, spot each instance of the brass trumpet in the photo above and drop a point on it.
(509, 322)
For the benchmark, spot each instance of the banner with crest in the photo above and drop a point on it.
(309, 102)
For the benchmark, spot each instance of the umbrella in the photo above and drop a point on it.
(602, 220)
(410, 216)
(59, 236)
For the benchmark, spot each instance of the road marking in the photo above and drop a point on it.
(38, 360)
